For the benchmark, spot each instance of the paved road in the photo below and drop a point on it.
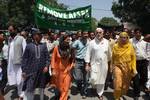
(49, 95)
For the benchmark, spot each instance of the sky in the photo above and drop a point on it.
(100, 8)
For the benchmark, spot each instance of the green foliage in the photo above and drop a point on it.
(3, 13)
(94, 24)
(20, 12)
(108, 22)
(55, 4)
(134, 11)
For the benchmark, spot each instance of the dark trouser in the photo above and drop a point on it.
(3, 82)
(136, 86)
(108, 78)
(141, 78)
(81, 76)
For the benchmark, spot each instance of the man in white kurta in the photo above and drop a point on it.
(97, 57)
(147, 39)
(14, 64)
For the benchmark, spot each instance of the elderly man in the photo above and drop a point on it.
(97, 57)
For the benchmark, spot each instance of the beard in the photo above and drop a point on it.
(84, 41)
(99, 37)
(13, 34)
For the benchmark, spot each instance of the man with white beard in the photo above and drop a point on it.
(97, 56)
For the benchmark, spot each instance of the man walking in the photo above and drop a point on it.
(16, 49)
(141, 63)
(79, 72)
(35, 66)
(97, 56)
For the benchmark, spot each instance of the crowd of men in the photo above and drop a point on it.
(30, 61)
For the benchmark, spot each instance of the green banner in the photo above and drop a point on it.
(48, 17)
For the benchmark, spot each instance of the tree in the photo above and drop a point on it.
(54, 3)
(93, 23)
(134, 11)
(21, 12)
(108, 22)
(3, 13)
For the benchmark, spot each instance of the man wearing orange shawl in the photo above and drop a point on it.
(62, 63)
(124, 65)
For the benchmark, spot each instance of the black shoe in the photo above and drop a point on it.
(79, 88)
(147, 94)
(146, 90)
(100, 97)
(106, 88)
(68, 98)
(136, 98)
(83, 97)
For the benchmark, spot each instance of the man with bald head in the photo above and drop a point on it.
(97, 56)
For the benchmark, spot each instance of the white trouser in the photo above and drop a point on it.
(19, 88)
(148, 81)
(100, 89)
(30, 95)
(14, 73)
